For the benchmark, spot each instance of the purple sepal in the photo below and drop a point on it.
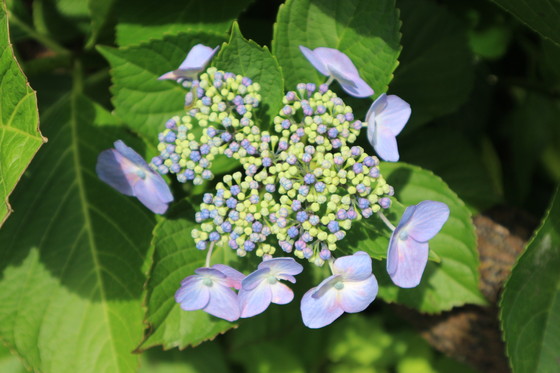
(126, 171)
(262, 287)
(408, 250)
(386, 118)
(351, 288)
(198, 57)
(334, 63)
(209, 289)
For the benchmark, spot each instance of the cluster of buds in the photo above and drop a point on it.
(218, 121)
(302, 188)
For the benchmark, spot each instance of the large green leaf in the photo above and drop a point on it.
(247, 58)
(142, 101)
(453, 281)
(206, 358)
(143, 20)
(176, 257)
(10, 363)
(19, 121)
(102, 17)
(540, 15)
(367, 31)
(72, 258)
(435, 74)
(530, 306)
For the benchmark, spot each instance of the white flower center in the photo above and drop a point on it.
(339, 285)
(272, 280)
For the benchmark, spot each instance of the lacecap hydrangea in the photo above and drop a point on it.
(302, 187)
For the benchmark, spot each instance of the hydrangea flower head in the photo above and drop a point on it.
(210, 290)
(385, 119)
(408, 248)
(335, 64)
(196, 61)
(263, 287)
(126, 171)
(351, 288)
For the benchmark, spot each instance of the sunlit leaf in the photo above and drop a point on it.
(73, 256)
(19, 120)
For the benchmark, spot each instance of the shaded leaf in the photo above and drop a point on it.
(436, 70)
(539, 15)
(141, 21)
(366, 31)
(20, 137)
(530, 305)
(73, 257)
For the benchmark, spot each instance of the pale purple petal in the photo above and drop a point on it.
(406, 260)
(337, 63)
(357, 88)
(210, 272)
(253, 302)
(427, 220)
(130, 154)
(255, 278)
(223, 303)
(282, 266)
(290, 278)
(357, 296)
(317, 312)
(198, 57)
(395, 115)
(281, 294)
(385, 144)
(150, 195)
(170, 75)
(376, 107)
(355, 267)
(234, 277)
(193, 295)
(314, 60)
(109, 169)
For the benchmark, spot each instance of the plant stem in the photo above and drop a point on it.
(386, 221)
(43, 39)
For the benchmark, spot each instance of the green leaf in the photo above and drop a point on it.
(10, 363)
(436, 69)
(143, 20)
(539, 15)
(247, 58)
(142, 101)
(176, 257)
(454, 281)
(530, 306)
(73, 255)
(366, 31)
(102, 17)
(19, 120)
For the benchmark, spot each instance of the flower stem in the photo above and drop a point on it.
(207, 265)
(386, 221)
(330, 80)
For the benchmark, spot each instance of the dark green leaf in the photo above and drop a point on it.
(73, 255)
(367, 31)
(435, 73)
(247, 58)
(540, 15)
(143, 20)
(143, 102)
(19, 120)
(530, 306)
